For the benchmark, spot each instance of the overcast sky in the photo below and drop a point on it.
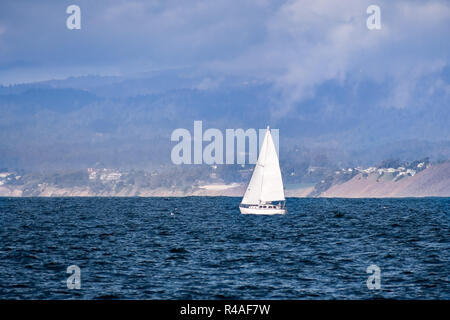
(296, 45)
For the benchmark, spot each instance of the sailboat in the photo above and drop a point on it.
(265, 193)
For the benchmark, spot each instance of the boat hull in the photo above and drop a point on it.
(262, 211)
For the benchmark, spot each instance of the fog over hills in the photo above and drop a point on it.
(126, 122)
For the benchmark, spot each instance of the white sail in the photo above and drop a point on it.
(272, 184)
(253, 193)
(266, 183)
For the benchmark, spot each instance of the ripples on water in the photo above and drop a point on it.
(202, 248)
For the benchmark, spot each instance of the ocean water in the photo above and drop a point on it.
(202, 248)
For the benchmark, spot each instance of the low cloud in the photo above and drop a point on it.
(295, 45)
(311, 42)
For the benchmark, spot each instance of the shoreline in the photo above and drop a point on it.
(431, 182)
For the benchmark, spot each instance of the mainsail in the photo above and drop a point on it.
(266, 183)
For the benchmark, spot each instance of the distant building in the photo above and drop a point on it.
(92, 173)
(111, 176)
(370, 170)
(4, 174)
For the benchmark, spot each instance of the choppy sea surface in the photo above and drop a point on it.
(203, 248)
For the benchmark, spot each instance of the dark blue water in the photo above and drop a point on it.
(133, 248)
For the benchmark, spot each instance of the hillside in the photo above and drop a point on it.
(127, 122)
(431, 182)
(427, 180)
